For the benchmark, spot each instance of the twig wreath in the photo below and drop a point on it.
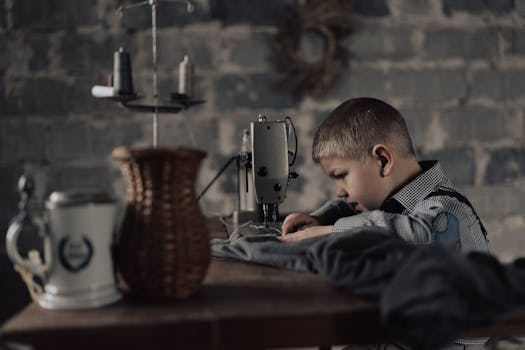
(329, 19)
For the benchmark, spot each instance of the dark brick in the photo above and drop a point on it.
(317, 118)
(168, 15)
(3, 100)
(516, 40)
(256, 12)
(23, 141)
(251, 52)
(419, 123)
(123, 133)
(51, 15)
(4, 61)
(69, 140)
(66, 177)
(381, 43)
(86, 52)
(505, 164)
(171, 52)
(136, 18)
(39, 44)
(414, 7)
(359, 82)
(9, 174)
(428, 84)
(458, 163)
(520, 7)
(495, 202)
(499, 85)
(3, 14)
(451, 42)
(198, 47)
(481, 123)
(39, 96)
(477, 7)
(251, 91)
(370, 8)
(184, 130)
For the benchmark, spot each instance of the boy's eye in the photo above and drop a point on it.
(339, 176)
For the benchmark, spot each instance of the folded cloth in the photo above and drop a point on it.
(362, 260)
(258, 244)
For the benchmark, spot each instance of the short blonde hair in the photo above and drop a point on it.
(355, 126)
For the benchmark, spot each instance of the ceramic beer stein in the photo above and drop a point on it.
(77, 230)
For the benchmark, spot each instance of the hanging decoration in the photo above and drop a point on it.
(331, 21)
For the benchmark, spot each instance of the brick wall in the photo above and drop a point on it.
(456, 69)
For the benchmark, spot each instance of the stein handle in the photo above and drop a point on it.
(34, 264)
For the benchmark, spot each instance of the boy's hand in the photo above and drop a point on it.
(312, 231)
(298, 221)
(297, 226)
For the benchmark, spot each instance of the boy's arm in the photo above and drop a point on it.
(418, 227)
(411, 228)
(331, 211)
(317, 222)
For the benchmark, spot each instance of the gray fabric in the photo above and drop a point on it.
(428, 295)
(362, 260)
(437, 294)
(256, 244)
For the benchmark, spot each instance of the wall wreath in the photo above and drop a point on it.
(329, 19)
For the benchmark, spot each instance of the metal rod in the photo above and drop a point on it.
(153, 4)
(217, 176)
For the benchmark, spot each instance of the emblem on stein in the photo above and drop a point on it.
(75, 253)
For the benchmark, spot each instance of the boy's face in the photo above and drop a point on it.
(360, 182)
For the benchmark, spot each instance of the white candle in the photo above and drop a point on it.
(186, 77)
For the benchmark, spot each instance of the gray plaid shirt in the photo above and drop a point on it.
(425, 210)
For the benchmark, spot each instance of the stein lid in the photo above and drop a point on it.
(76, 197)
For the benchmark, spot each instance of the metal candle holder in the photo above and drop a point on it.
(178, 101)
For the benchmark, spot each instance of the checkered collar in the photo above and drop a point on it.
(417, 189)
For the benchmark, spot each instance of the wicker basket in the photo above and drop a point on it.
(163, 247)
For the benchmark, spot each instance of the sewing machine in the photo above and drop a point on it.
(264, 170)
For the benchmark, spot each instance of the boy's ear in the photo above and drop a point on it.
(383, 155)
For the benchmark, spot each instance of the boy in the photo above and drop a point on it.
(364, 146)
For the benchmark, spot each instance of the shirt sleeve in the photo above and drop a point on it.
(417, 227)
(331, 211)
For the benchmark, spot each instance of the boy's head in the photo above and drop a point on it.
(365, 147)
(356, 126)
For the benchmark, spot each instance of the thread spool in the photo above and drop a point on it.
(122, 78)
(186, 77)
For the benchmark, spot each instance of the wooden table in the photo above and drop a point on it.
(240, 306)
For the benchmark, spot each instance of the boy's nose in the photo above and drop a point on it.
(341, 193)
